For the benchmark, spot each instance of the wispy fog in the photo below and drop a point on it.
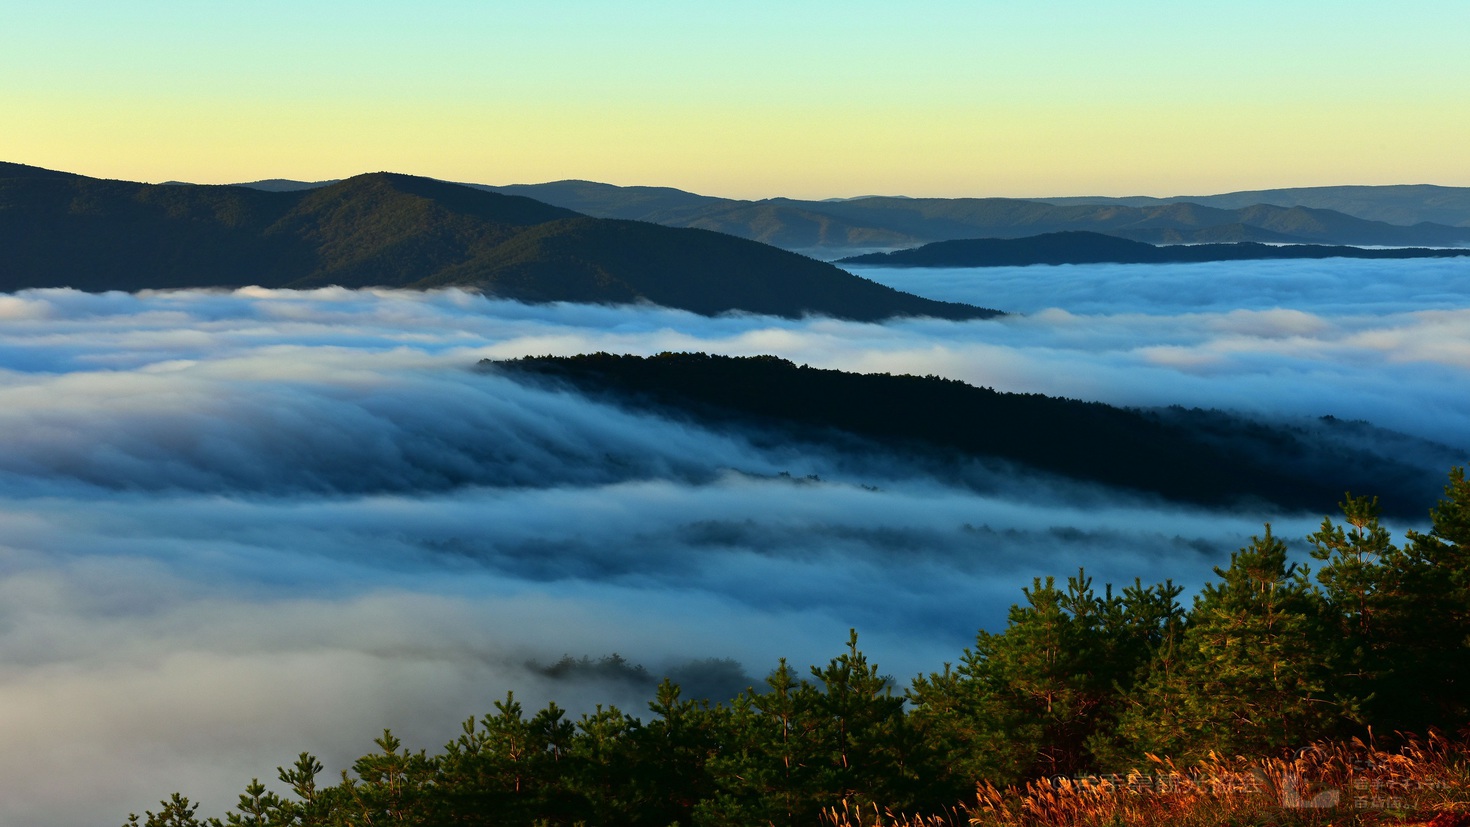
(1333, 286)
(236, 526)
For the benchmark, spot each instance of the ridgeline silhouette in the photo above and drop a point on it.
(1189, 456)
(389, 230)
(1372, 216)
(1078, 247)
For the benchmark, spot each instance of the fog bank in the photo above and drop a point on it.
(241, 525)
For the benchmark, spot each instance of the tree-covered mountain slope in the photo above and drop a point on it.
(1190, 456)
(390, 230)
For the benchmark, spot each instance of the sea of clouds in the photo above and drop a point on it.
(239, 525)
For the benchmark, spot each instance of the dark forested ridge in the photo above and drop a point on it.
(1193, 456)
(1081, 247)
(1272, 662)
(384, 229)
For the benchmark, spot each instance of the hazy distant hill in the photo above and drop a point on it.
(384, 229)
(948, 218)
(609, 201)
(287, 185)
(1078, 247)
(884, 222)
(1196, 456)
(1401, 204)
(791, 226)
(1404, 204)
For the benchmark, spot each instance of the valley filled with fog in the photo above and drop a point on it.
(240, 525)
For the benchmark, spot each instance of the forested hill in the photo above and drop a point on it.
(1192, 456)
(880, 222)
(384, 229)
(1082, 247)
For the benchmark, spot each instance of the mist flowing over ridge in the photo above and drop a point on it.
(942, 425)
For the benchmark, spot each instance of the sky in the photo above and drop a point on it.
(239, 525)
(753, 99)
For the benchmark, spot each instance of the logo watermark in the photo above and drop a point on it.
(1294, 796)
(1292, 791)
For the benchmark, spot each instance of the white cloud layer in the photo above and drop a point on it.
(236, 526)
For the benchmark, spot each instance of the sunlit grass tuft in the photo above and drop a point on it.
(1425, 781)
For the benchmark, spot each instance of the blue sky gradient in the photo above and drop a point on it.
(813, 100)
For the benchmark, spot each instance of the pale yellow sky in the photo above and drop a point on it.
(830, 99)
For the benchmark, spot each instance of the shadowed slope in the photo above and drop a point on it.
(1203, 457)
(583, 258)
(71, 231)
(396, 230)
(390, 230)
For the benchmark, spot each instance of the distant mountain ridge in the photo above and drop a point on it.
(1404, 204)
(1418, 215)
(391, 230)
(833, 227)
(1081, 247)
(802, 226)
(287, 184)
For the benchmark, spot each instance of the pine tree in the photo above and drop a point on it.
(259, 808)
(1251, 673)
(601, 762)
(670, 756)
(1435, 672)
(869, 745)
(993, 711)
(1365, 607)
(176, 811)
(312, 804)
(792, 727)
(1142, 633)
(393, 786)
(1040, 698)
(497, 768)
(750, 774)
